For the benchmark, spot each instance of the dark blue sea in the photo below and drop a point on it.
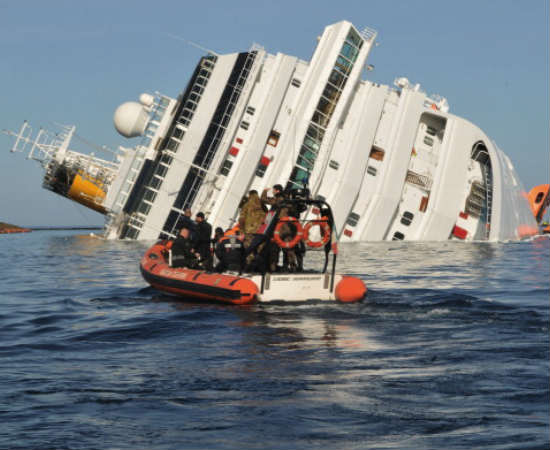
(450, 350)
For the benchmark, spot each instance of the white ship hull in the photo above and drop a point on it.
(392, 161)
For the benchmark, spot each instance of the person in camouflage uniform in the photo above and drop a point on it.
(251, 217)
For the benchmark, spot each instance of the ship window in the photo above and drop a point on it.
(343, 65)
(398, 236)
(161, 170)
(308, 154)
(144, 208)
(172, 145)
(428, 141)
(331, 93)
(308, 164)
(225, 120)
(166, 159)
(376, 154)
(132, 233)
(260, 171)
(315, 133)
(296, 83)
(320, 119)
(407, 218)
(354, 38)
(194, 97)
(250, 110)
(320, 198)
(353, 218)
(155, 182)
(273, 138)
(178, 133)
(337, 79)
(311, 144)
(431, 131)
(371, 171)
(299, 175)
(150, 195)
(244, 125)
(334, 164)
(349, 51)
(227, 164)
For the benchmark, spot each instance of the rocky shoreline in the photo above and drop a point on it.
(9, 228)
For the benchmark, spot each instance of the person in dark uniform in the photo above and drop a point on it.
(183, 253)
(186, 221)
(230, 253)
(202, 242)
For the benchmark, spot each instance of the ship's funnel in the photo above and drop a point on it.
(130, 119)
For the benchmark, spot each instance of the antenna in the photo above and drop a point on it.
(193, 44)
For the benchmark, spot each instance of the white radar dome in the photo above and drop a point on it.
(130, 119)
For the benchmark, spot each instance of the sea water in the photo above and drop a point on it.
(449, 350)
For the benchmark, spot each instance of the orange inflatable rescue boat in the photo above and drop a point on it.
(238, 289)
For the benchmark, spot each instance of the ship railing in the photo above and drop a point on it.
(368, 34)
(423, 181)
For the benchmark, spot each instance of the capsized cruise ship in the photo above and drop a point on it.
(392, 161)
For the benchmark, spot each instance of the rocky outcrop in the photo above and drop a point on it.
(9, 228)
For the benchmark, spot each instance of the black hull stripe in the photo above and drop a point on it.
(204, 289)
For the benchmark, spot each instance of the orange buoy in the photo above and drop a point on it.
(350, 289)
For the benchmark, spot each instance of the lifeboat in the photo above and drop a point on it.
(240, 289)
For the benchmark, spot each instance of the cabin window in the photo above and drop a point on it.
(296, 83)
(273, 138)
(539, 198)
(334, 164)
(172, 144)
(377, 154)
(353, 219)
(149, 195)
(431, 131)
(398, 236)
(428, 141)
(244, 125)
(371, 171)
(250, 110)
(226, 168)
(407, 218)
(262, 166)
(178, 133)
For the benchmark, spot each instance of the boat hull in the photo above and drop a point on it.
(248, 288)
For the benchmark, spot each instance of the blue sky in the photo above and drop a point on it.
(74, 62)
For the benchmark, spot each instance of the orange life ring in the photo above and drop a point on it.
(277, 237)
(325, 232)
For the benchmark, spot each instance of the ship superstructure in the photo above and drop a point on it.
(391, 160)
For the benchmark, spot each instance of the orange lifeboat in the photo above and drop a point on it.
(539, 200)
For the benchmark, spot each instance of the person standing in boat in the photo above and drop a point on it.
(186, 221)
(290, 260)
(202, 241)
(230, 253)
(183, 253)
(251, 217)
